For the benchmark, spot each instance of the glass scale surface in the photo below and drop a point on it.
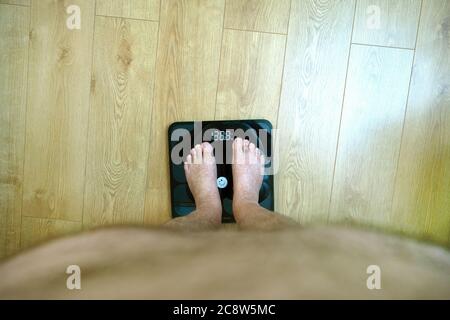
(185, 135)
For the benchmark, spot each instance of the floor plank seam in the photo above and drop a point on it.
(406, 110)
(380, 46)
(89, 113)
(342, 110)
(147, 182)
(220, 58)
(130, 18)
(26, 116)
(257, 31)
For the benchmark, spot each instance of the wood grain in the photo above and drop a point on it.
(370, 135)
(398, 21)
(308, 122)
(57, 114)
(250, 75)
(119, 120)
(157, 206)
(187, 70)
(37, 230)
(422, 193)
(258, 15)
(118, 116)
(17, 2)
(14, 28)
(136, 9)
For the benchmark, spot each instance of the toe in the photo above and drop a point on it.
(237, 144)
(238, 151)
(246, 143)
(261, 158)
(252, 156)
(187, 164)
(208, 154)
(198, 150)
(193, 156)
(207, 148)
(247, 155)
(262, 162)
(198, 154)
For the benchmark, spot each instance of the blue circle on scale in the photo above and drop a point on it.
(222, 182)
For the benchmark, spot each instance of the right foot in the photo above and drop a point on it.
(201, 174)
(248, 172)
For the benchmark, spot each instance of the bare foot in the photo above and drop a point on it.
(248, 171)
(248, 174)
(201, 174)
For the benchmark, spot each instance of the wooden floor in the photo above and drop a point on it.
(359, 90)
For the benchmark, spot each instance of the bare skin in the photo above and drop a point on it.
(201, 175)
(274, 260)
(248, 170)
(307, 263)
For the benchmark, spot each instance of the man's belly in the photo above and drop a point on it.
(312, 263)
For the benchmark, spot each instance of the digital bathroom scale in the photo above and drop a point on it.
(183, 136)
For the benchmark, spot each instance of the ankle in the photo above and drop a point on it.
(211, 198)
(243, 195)
(241, 205)
(208, 216)
(209, 213)
(209, 204)
(211, 208)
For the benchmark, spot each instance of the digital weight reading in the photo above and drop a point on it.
(219, 135)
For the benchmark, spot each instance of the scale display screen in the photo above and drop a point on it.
(219, 135)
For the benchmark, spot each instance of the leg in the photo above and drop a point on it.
(201, 174)
(248, 171)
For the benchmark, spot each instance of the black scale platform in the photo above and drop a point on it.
(183, 137)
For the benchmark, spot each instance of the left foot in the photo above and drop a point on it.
(201, 174)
